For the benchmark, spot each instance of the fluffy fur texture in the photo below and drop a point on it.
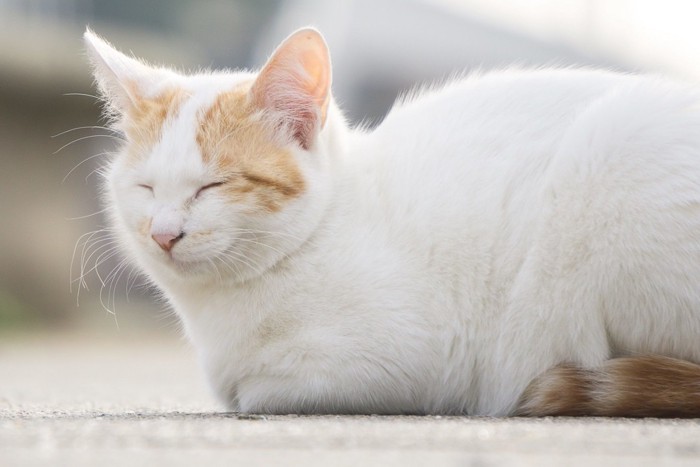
(485, 233)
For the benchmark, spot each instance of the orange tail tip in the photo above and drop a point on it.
(645, 386)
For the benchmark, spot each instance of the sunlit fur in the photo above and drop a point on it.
(485, 232)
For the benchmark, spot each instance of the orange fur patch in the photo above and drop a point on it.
(144, 122)
(145, 227)
(646, 386)
(240, 147)
(564, 391)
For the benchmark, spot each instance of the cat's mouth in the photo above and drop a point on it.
(178, 259)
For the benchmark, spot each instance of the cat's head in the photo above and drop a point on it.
(221, 174)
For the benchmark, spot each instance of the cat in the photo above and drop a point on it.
(517, 242)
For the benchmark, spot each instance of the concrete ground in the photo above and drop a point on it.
(74, 401)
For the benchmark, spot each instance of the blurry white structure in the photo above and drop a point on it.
(381, 46)
(645, 34)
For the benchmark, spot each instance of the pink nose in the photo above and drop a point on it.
(167, 241)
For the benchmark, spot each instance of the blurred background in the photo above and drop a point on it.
(49, 187)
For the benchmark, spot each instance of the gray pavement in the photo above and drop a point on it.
(72, 400)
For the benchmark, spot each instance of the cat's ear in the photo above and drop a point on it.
(294, 85)
(123, 80)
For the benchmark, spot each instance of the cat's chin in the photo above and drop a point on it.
(180, 267)
(202, 269)
(188, 267)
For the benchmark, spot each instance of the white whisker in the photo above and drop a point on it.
(81, 163)
(84, 138)
(264, 232)
(90, 244)
(248, 240)
(87, 215)
(221, 279)
(101, 259)
(82, 94)
(88, 127)
(89, 241)
(237, 257)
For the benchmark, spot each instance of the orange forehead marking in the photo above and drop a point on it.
(144, 122)
(240, 148)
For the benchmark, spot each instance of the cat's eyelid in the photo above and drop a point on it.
(213, 184)
(209, 186)
(146, 186)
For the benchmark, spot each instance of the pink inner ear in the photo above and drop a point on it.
(319, 74)
(295, 85)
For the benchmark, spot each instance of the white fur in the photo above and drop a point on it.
(483, 233)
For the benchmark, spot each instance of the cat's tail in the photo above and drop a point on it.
(644, 386)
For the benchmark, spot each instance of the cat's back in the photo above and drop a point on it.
(495, 140)
(472, 151)
(488, 103)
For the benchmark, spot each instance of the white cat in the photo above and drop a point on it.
(487, 250)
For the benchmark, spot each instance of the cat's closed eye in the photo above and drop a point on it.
(207, 187)
(146, 187)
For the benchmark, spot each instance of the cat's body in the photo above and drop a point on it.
(483, 234)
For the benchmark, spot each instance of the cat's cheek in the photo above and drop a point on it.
(136, 217)
(144, 228)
